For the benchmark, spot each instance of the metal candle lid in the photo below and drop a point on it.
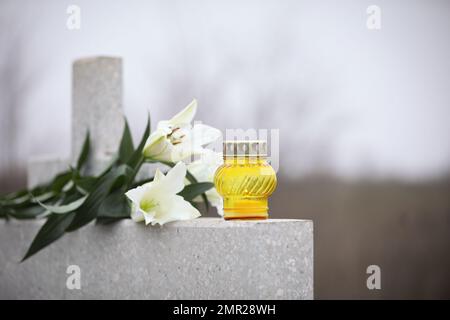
(245, 148)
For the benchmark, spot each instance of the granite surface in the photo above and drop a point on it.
(97, 105)
(206, 258)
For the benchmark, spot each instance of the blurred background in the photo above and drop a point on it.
(363, 114)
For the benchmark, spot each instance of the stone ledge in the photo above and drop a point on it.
(206, 258)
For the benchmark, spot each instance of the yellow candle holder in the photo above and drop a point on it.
(245, 180)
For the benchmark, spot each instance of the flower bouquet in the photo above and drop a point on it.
(73, 199)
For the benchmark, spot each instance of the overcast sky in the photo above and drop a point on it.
(346, 98)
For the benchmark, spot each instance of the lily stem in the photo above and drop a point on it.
(136, 170)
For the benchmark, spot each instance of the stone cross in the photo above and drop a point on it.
(96, 106)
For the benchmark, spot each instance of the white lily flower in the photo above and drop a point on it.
(176, 139)
(158, 202)
(204, 170)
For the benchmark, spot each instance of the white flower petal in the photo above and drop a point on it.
(216, 201)
(158, 175)
(186, 115)
(197, 169)
(174, 140)
(181, 151)
(203, 134)
(136, 214)
(149, 217)
(204, 170)
(154, 136)
(135, 195)
(175, 208)
(158, 202)
(157, 145)
(173, 182)
(164, 127)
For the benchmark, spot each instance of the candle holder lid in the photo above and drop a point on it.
(245, 148)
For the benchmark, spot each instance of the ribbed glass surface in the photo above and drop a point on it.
(245, 184)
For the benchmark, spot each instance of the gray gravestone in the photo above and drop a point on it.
(205, 258)
(97, 107)
(199, 259)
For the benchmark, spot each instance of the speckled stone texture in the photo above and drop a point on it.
(97, 105)
(206, 258)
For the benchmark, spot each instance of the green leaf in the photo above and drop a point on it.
(52, 230)
(84, 152)
(43, 197)
(25, 206)
(27, 199)
(60, 181)
(23, 194)
(192, 179)
(112, 163)
(65, 208)
(31, 212)
(14, 195)
(88, 211)
(85, 184)
(126, 147)
(193, 190)
(20, 200)
(136, 158)
(115, 205)
(5, 212)
(105, 220)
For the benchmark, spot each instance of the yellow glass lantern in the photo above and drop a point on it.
(245, 180)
